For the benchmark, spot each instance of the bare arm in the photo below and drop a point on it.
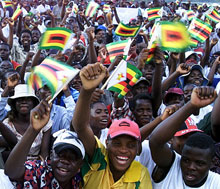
(213, 70)
(14, 166)
(91, 76)
(200, 97)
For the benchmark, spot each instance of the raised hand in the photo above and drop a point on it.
(214, 41)
(13, 80)
(183, 68)
(92, 75)
(40, 115)
(203, 96)
(169, 110)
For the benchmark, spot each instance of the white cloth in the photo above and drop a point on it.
(103, 136)
(42, 9)
(145, 157)
(202, 113)
(5, 183)
(174, 179)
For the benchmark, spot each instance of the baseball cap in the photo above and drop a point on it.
(68, 140)
(124, 127)
(187, 127)
(172, 91)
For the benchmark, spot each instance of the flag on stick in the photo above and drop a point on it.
(213, 15)
(153, 13)
(91, 9)
(127, 31)
(55, 38)
(174, 36)
(6, 4)
(193, 42)
(106, 8)
(116, 48)
(199, 30)
(54, 73)
(17, 13)
(133, 74)
(190, 14)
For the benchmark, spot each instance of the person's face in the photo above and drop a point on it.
(121, 152)
(174, 99)
(100, 36)
(143, 112)
(101, 21)
(195, 77)
(25, 39)
(99, 116)
(195, 164)
(4, 52)
(178, 142)
(35, 35)
(65, 165)
(76, 83)
(75, 27)
(24, 105)
(5, 66)
(44, 92)
(148, 72)
(141, 87)
(187, 92)
(79, 55)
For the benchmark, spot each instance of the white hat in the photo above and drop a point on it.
(68, 140)
(22, 90)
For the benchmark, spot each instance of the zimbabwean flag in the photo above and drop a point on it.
(127, 31)
(153, 13)
(91, 9)
(6, 4)
(214, 16)
(133, 75)
(200, 30)
(55, 38)
(174, 36)
(116, 48)
(190, 14)
(16, 14)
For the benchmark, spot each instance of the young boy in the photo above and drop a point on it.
(191, 169)
(113, 166)
(61, 171)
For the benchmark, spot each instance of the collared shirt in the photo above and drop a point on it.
(97, 174)
(38, 174)
(62, 116)
(19, 55)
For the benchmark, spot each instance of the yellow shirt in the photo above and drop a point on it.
(97, 174)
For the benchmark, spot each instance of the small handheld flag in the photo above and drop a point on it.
(190, 14)
(174, 36)
(213, 15)
(127, 31)
(199, 30)
(6, 4)
(91, 9)
(106, 8)
(54, 73)
(132, 76)
(153, 13)
(17, 13)
(55, 38)
(116, 48)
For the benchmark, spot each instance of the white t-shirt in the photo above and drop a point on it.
(145, 157)
(202, 113)
(41, 8)
(174, 179)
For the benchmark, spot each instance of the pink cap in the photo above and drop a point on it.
(124, 127)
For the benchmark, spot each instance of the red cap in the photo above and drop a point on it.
(172, 91)
(100, 16)
(188, 127)
(124, 127)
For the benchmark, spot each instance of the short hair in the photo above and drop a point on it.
(96, 102)
(141, 96)
(201, 141)
(6, 44)
(24, 31)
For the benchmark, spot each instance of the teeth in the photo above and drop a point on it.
(64, 170)
(122, 158)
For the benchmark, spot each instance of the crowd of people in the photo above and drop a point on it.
(163, 134)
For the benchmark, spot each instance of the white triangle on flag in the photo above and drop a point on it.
(120, 74)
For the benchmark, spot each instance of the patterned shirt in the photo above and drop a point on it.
(38, 174)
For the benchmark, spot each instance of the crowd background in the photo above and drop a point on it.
(175, 101)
